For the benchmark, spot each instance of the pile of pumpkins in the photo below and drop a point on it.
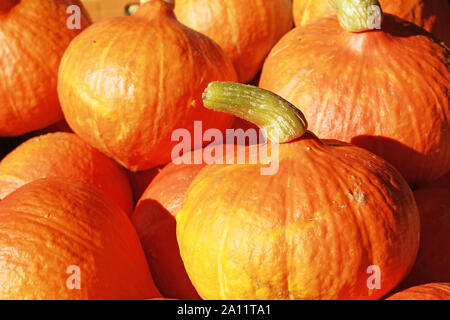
(354, 92)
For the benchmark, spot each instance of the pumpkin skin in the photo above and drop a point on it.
(154, 220)
(430, 291)
(385, 90)
(50, 224)
(34, 37)
(243, 235)
(64, 155)
(128, 99)
(432, 263)
(246, 30)
(432, 15)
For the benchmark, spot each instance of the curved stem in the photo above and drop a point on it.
(358, 15)
(7, 5)
(280, 120)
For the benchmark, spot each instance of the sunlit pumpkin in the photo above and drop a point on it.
(384, 90)
(315, 229)
(127, 83)
(63, 239)
(33, 37)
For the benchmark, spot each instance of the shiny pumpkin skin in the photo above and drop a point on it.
(433, 260)
(33, 38)
(127, 83)
(430, 291)
(246, 30)
(432, 15)
(386, 91)
(308, 232)
(63, 154)
(51, 224)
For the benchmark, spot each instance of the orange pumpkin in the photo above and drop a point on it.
(316, 229)
(432, 15)
(154, 220)
(430, 291)
(246, 30)
(64, 155)
(127, 83)
(34, 35)
(433, 260)
(383, 90)
(63, 239)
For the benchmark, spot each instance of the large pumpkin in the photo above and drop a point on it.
(432, 15)
(433, 260)
(384, 90)
(429, 291)
(34, 35)
(63, 239)
(127, 83)
(329, 219)
(64, 155)
(246, 30)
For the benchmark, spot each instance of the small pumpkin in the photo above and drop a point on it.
(312, 230)
(63, 239)
(429, 291)
(64, 154)
(246, 30)
(433, 260)
(34, 35)
(432, 15)
(384, 90)
(127, 83)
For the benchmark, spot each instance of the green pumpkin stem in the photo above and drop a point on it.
(279, 119)
(358, 15)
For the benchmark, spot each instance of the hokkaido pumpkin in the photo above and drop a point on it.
(64, 155)
(246, 30)
(433, 260)
(33, 37)
(316, 229)
(430, 291)
(384, 90)
(127, 83)
(432, 15)
(63, 239)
